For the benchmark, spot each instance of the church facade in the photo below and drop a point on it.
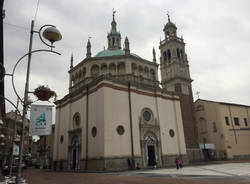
(116, 113)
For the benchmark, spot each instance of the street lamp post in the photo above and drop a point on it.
(51, 34)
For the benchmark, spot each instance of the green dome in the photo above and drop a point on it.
(106, 53)
(113, 32)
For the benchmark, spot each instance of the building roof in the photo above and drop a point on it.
(114, 32)
(117, 52)
(223, 103)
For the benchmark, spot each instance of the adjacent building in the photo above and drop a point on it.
(11, 132)
(224, 129)
(45, 149)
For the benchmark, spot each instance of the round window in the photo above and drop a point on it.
(94, 131)
(147, 115)
(171, 133)
(120, 130)
(61, 139)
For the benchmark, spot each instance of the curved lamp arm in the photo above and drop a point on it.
(11, 104)
(13, 71)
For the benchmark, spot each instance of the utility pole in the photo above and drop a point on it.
(2, 101)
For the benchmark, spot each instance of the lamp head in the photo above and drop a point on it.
(52, 34)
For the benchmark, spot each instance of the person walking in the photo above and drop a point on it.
(177, 163)
(129, 163)
(180, 163)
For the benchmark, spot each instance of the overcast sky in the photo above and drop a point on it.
(216, 33)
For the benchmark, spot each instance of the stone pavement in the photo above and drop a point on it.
(229, 173)
(216, 172)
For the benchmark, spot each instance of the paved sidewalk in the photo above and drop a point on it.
(238, 172)
(229, 169)
(229, 173)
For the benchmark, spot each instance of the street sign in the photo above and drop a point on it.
(40, 120)
(15, 150)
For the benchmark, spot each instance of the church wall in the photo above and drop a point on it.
(139, 102)
(96, 119)
(61, 127)
(56, 137)
(116, 112)
(180, 127)
(170, 118)
(78, 107)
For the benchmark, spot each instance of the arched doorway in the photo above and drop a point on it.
(74, 153)
(151, 151)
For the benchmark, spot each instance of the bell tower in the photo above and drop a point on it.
(114, 37)
(175, 77)
(174, 64)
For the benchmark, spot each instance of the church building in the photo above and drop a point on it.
(116, 112)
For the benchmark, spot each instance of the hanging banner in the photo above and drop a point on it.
(15, 150)
(40, 120)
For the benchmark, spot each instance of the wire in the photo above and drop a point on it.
(36, 9)
(17, 26)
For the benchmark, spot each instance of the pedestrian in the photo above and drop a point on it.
(129, 163)
(180, 162)
(137, 166)
(155, 164)
(177, 163)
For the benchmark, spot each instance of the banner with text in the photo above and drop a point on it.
(40, 120)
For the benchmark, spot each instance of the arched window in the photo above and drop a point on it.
(121, 68)
(182, 57)
(164, 56)
(73, 80)
(146, 71)
(178, 54)
(169, 55)
(76, 77)
(104, 69)
(83, 72)
(80, 74)
(113, 41)
(95, 71)
(112, 69)
(152, 74)
(134, 68)
(140, 69)
(76, 120)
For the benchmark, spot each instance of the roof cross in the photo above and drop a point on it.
(198, 94)
(168, 15)
(114, 11)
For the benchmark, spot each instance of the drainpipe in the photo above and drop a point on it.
(87, 126)
(177, 128)
(232, 123)
(131, 123)
(247, 115)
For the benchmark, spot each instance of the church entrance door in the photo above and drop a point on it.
(151, 156)
(74, 153)
(74, 163)
(151, 151)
